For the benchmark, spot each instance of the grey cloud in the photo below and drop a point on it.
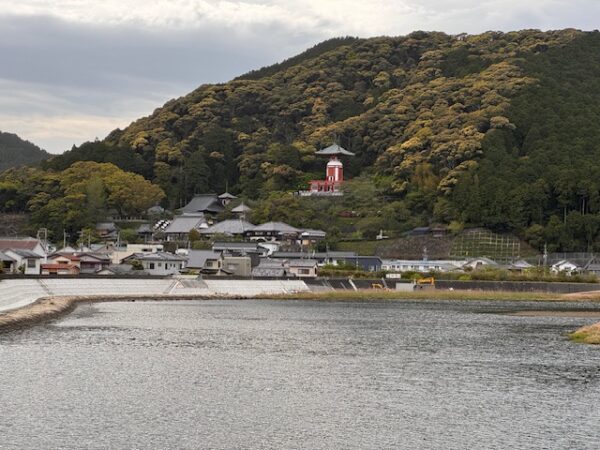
(55, 68)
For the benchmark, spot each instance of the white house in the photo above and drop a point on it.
(159, 263)
(25, 260)
(565, 266)
(303, 268)
(410, 265)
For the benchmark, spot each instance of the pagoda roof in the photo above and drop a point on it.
(241, 208)
(334, 150)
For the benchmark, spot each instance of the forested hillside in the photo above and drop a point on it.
(497, 130)
(14, 151)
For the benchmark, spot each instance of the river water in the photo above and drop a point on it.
(291, 375)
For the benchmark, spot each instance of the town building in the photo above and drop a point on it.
(206, 261)
(226, 198)
(271, 268)
(273, 232)
(322, 258)
(232, 227)
(179, 229)
(240, 248)
(303, 268)
(520, 266)
(27, 262)
(24, 243)
(59, 268)
(145, 232)
(8, 263)
(480, 263)
(309, 237)
(566, 267)
(241, 210)
(120, 253)
(423, 266)
(121, 270)
(208, 204)
(239, 266)
(215, 263)
(159, 263)
(86, 262)
(366, 263)
(107, 231)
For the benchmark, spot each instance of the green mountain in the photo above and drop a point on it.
(14, 151)
(499, 130)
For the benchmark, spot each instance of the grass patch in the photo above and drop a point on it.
(381, 295)
(587, 335)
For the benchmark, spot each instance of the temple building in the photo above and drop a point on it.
(334, 178)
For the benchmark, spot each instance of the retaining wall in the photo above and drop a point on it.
(518, 286)
(16, 293)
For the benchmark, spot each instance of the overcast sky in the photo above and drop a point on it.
(73, 70)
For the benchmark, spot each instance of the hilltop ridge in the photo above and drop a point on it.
(15, 151)
(498, 130)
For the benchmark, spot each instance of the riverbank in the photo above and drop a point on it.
(379, 295)
(49, 308)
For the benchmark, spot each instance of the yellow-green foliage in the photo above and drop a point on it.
(418, 102)
(80, 196)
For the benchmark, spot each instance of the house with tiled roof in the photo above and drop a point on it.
(159, 263)
(241, 210)
(26, 261)
(270, 268)
(232, 227)
(107, 231)
(203, 203)
(179, 229)
(273, 231)
(56, 268)
(86, 262)
(303, 268)
(22, 243)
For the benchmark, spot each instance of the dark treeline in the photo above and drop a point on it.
(15, 151)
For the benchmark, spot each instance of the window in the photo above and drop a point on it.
(151, 266)
(31, 263)
(159, 264)
(304, 271)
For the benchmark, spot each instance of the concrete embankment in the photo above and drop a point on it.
(519, 286)
(26, 301)
(16, 293)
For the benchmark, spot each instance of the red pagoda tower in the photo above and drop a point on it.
(334, 173)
